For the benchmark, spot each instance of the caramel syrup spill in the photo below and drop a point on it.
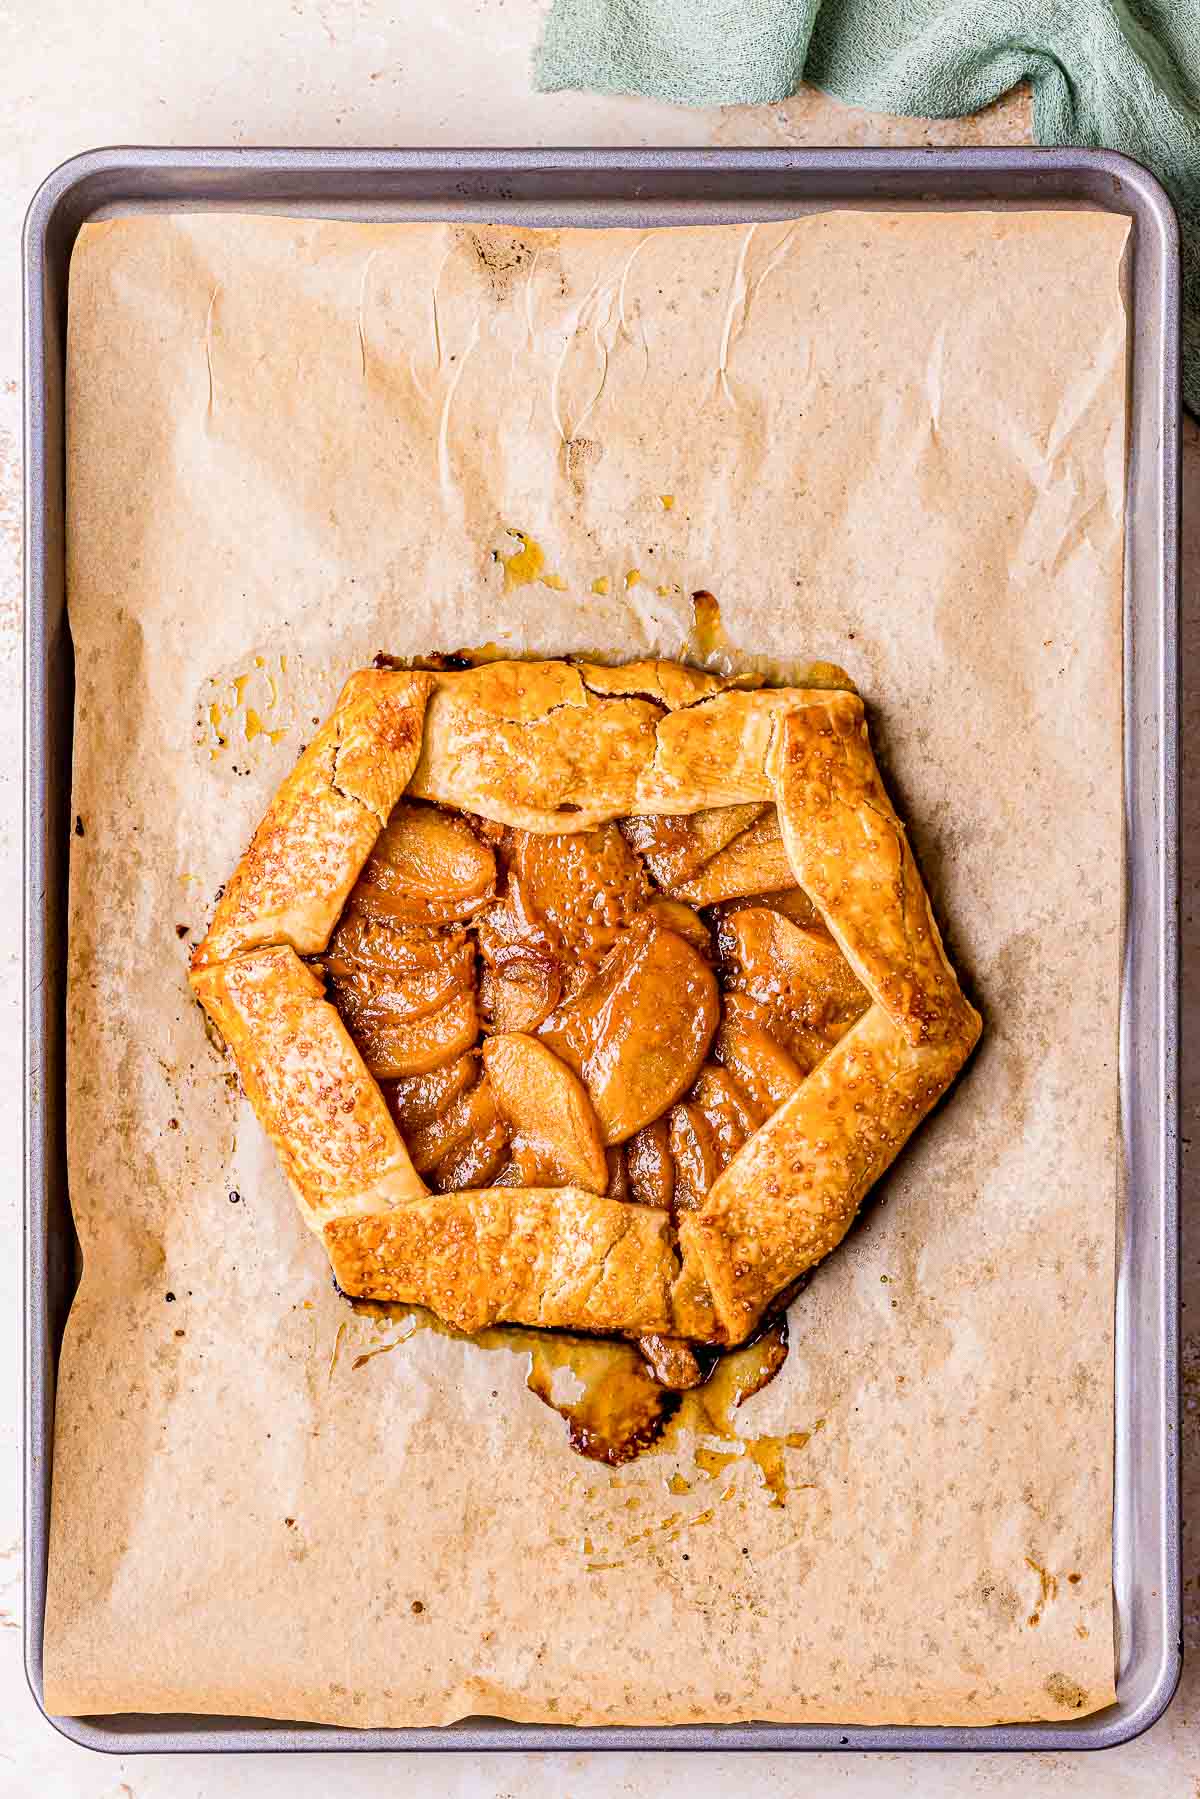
(382, 1348)
(337, 1344)
(709, 643)
(619, 1411)
(707, 638)
(232, 697)
(527, 564)
(827, 674)
(256, 728)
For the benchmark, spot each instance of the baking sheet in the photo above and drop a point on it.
(302, 442)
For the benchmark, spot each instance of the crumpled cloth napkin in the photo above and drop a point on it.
(1103, 73)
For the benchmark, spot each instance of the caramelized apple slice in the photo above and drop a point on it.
(575, 891)
(730, 1119)
(392, 1047)
(666, 845)
(651, 1170)
(361, 943)
(673, 915)
(755, 862)
(672, 1362)
(474, 1163)
(798, 975)
(793, 902)
(416, 1098)
(408, 982)
(567, 897)
(639, 1030)
(618, 1174)
(551, 1120)
(427, 867)
(694, 1152)
(519, 989)
(673, 849)
(471, 1114)
(765, 1073)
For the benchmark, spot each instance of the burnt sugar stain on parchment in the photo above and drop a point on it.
(1066, 1692)
(580, 454)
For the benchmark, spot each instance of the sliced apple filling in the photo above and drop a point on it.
(615, 1010)
(583, 1040)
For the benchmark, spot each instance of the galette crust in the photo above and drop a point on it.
(292, 882)
(307, 1083)
(556, 1257)
(554, 747)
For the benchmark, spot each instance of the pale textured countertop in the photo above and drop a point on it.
(351, 72)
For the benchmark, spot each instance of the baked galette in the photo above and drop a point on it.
(590, 998)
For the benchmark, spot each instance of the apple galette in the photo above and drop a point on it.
(583, 997)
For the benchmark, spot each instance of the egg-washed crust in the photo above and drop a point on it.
(555, 1257)
(558, 746)
(555, 746)
(293, 881)
(307, 1082)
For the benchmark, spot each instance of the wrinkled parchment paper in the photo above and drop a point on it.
(893, 442)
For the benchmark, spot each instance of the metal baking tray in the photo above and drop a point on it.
(656, 187)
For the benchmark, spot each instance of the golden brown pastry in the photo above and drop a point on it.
(292, 882)
(744, 1127)
(306, 1081)
(558, 1257)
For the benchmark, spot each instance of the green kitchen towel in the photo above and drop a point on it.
(1104, 73)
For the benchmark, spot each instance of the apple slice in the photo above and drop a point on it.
(765, 1073)
(674, 849)
(673, 1362)
(730, 1117)
(673, 915)
(755, 862)
(427, 867)
(554, 1131)
(798, 976)
(651, 1170)
(468, 1116)
(696, 1157)
(414, 1099)
(392, 1046)
(639, 1030)
(474, 1163)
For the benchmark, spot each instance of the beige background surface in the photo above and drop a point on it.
(353, 73)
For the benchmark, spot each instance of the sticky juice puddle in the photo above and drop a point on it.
(614, 1409)
(709, 645)
(240, 708)
(526, 564)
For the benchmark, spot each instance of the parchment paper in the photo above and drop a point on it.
(894, 442)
